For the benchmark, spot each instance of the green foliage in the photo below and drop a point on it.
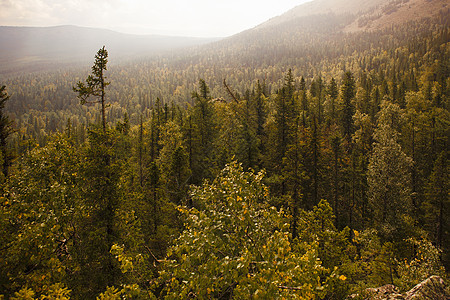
(389, 182)
(57, 292)
(424, 263)
(101, 193)
(372, 263)
(235, 246)
(111, 293)
(173, 160)
(201, 133)
(436, 207)
(24, 294)
(348, 93)
(127, 292)
(54, 292)
(5, 131)
(40, 209)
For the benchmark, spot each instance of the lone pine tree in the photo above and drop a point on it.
(95, 83)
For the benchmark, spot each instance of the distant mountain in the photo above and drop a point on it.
(368, 14)
(323, 7)
(36, 47)
(395, 13)
(308, 30)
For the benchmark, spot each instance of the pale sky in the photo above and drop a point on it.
(199, 18)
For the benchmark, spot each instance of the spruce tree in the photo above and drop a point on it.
(389, 182)
(348, 92)
(95, 84)
(333, 93)
(5, 132)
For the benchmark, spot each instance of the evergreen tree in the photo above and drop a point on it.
(173, 163)
(202, 132)
(101, 171)
(336, 150)
(348, 93)
(95, 84)
(5, 132)
(261, 115)
(389, 180)
(248, 151)
(304, 105)
(437, 204)
(285, 114)
(333, 93)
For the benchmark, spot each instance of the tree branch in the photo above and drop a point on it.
(292, 288)
(151, 253)
(230, 92)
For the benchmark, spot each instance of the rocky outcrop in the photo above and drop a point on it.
(432, 288)
(387, 291)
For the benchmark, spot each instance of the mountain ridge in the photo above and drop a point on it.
(369, 14)
(26, 46)
(321, 7)
(395, 12)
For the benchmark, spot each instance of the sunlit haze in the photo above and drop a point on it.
(202, 18)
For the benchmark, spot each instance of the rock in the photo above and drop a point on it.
(386, 292)
(432, 288)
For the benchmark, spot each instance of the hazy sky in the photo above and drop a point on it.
(205, 18)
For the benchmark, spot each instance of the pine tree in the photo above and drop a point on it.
(333, 93)
(101, 171)
(95, 84)
(438, 202)
(348, 93)
(285, 114)
(336, 150)
(389, 181)
(101, 174)
(202, 131)
(5, 132)
(260, 111)
(304, 101)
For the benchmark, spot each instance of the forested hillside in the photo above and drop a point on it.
(30, 49)
(301, 159)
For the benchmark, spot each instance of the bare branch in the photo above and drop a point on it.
(230, 92)
(292, 288)
(151, 253)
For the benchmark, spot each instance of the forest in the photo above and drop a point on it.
(312, 165)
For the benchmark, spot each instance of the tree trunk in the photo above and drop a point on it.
(103, 103)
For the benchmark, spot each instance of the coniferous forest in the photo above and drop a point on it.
(276, 164)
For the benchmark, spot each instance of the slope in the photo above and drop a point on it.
(395, 13)
(28, 48)
(323, 7)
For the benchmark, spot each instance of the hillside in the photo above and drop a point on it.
(297, 32)
(368, 14)
(395, 13)
(324, 7)
(40, 47)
